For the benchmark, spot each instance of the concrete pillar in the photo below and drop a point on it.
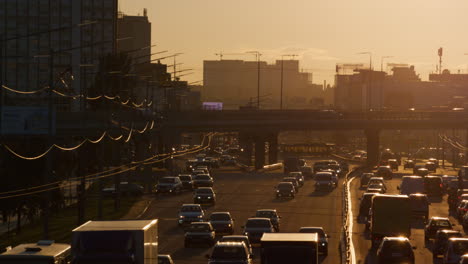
(273, 149)
(259, 152)
(373, 143)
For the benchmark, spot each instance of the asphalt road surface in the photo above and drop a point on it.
(242, 194)
(423, 253)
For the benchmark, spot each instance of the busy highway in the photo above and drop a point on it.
(242, 194)
(422, 250)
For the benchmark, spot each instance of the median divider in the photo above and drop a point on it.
(271, 167)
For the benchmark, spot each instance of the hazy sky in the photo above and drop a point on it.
(321, 32)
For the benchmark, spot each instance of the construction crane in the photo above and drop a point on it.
(221, 54)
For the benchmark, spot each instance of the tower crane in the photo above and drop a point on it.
(221, 54)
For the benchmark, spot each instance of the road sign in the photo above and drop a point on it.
(26, 120)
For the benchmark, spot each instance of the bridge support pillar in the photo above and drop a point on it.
(273, 148)
(259, 152)
(373, 144)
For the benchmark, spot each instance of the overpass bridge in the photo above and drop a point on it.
(256, 127)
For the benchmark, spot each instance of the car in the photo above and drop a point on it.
(446, 180)
(430, 166)
(334, 175)
(230, 162)
(307, 171)
(456, 248)
(285, 189)
(255, 227)
(202, 180)
(293, 181)
(230, 252)
(165, 259)
(189, 213)
(322, 236)
(411, 184)
(419, 206)
(462, 208)
(238, 238)
(433, 185)
(393, 163)
(222, 223)
(418, 166)
(272, 215)
(324, 181)
(434, 224)
(321, 165)
(422, 172)
(365, 177)
(376, 188)
(409, 164)
(199, 172)
(441, 239)
(365, 205)
(199, 232)
(435, 161)
(171, 185)
(377, 180)
(126, 188)
(385, 172)
(187, 182)
(204, 195)
(298, 176)
(395, 250)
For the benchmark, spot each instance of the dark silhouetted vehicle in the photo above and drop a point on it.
(393, 163)
(364, 206)
(125, 189)
(230, 252)
(202, 180)
(324, 181)
(430, 166)
(282, 248)
(422, 172)
(243, 239)
(409, 164)
(385, 172)
(433, 185)
(199, 233)
(435, 224)
(255, 227)
(285, 189)
(299, 177)
(395, 250)
(462, 208)
(222, 223)
(272, 215)
(165, 259)
(411, 184)
(171, 185)
(291, 164)
(187, 182)
(307, 171)
(189, 213)
(441, 240)
(322, 238)
(293, 181)
(419, 206)
(456, 248)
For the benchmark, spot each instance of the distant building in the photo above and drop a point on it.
(77, 32)
(234, 82)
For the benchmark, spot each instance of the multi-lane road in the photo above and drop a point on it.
(423, 251)
(242, 194)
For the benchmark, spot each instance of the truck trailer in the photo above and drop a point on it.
(297, 248)
(116, 242)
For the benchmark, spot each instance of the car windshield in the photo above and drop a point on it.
(375, 186)
(397, 246)
(460, 247)
(191, 209)
(202, 177)
(199, 228)
(204, 191)
(257, 223)
(220, 217)
(442, 223)
(229, 252)
(285, 186)
(323, 177)
(267, 214)
(167, 180)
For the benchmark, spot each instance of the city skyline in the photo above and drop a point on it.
(321, 33)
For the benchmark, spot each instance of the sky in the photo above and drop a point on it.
(321, 32)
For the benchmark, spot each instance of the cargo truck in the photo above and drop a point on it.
(390, 215)
(42, 252)
(116, 242)
(281, 248)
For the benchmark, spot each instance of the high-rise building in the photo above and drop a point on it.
(235, 83)
(135, 33)
(72, 35)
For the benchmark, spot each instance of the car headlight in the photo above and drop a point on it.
(209, 197)
(170, 190)
(246, 233)
(198, 197)
(277, 191)
(181, 216)
(300, 179)
(323, 244)
(229, 225)
(200, 216)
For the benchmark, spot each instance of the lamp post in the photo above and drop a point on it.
(257, 56)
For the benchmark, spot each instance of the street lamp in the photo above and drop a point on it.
(257, 56)
(381, 61)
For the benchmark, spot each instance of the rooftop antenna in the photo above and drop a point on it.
(440, 53)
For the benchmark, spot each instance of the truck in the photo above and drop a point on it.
(390, 215)
(292, 164)
(297, 248)
(42, 252)
(121, 241)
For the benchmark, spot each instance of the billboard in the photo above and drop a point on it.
(26, 120)
(216, 106)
